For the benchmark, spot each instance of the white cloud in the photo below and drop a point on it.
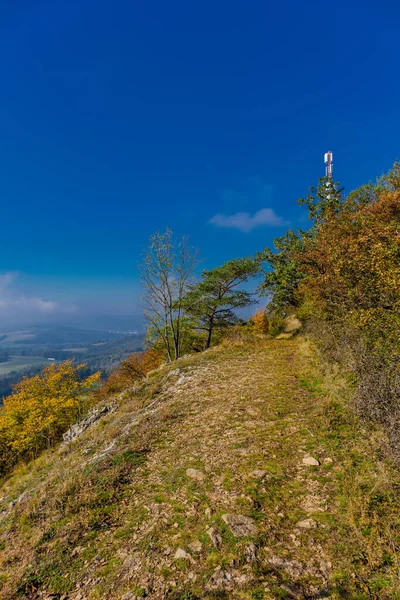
(13, 303)
(245, 222)
(252, 192)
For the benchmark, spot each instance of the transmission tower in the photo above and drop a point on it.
(328, 157)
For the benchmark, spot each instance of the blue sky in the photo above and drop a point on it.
(119, 118)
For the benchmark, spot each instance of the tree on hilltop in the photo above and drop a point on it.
(212, 302)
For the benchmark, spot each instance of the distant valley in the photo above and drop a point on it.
(27, 351)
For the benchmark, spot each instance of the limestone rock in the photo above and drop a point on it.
(250, 552)
(240, 525)
(196, 546)
(194, 474)
(307, 524)
(180, 553)
(258, 474)
(94, 415)
(215, 537)
(292, 567)
(310, 461)
(221, 578)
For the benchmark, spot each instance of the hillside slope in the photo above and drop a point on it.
(232, 474)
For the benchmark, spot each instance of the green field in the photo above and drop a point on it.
(19, 363)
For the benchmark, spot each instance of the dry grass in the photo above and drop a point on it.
(106, 515)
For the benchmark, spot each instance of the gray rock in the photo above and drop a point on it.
(94, 415)
(292, 567)
(221, 578)
(180, 553)
(215, 537)
(250, 552)
(240, 525)
(310, 461)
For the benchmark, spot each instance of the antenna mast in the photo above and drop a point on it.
(328, 157)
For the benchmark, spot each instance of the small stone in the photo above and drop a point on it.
(215, 537)
(310, 461)
(250, 552)
(258, 474)
(207, 512)
(194, 474)
(328, 461)
(240, 525)
(295, 541)
(307, 524)
(196, 546)
(128, 596)
(293, 568)
(280, 515)
(180, 553)
(221, 577)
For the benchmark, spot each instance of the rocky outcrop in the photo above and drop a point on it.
(94, 415)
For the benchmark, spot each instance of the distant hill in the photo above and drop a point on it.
(40, 336)
(30, 349)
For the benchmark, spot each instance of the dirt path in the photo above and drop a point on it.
(236, 483)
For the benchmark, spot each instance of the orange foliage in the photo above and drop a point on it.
(354, 268)
(260, 321)
(133, 369)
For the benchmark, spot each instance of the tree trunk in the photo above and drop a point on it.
(209, 333)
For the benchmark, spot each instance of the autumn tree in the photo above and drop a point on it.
(132, 370)
(212, 302)
(166, 274)
(343, 275)
(42, 407)
(260, 321)
(285, 265)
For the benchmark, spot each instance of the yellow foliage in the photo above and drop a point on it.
(42, 407)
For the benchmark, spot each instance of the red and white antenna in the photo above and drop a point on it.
(328, 157)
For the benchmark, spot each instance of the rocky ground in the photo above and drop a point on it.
(238, 473)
